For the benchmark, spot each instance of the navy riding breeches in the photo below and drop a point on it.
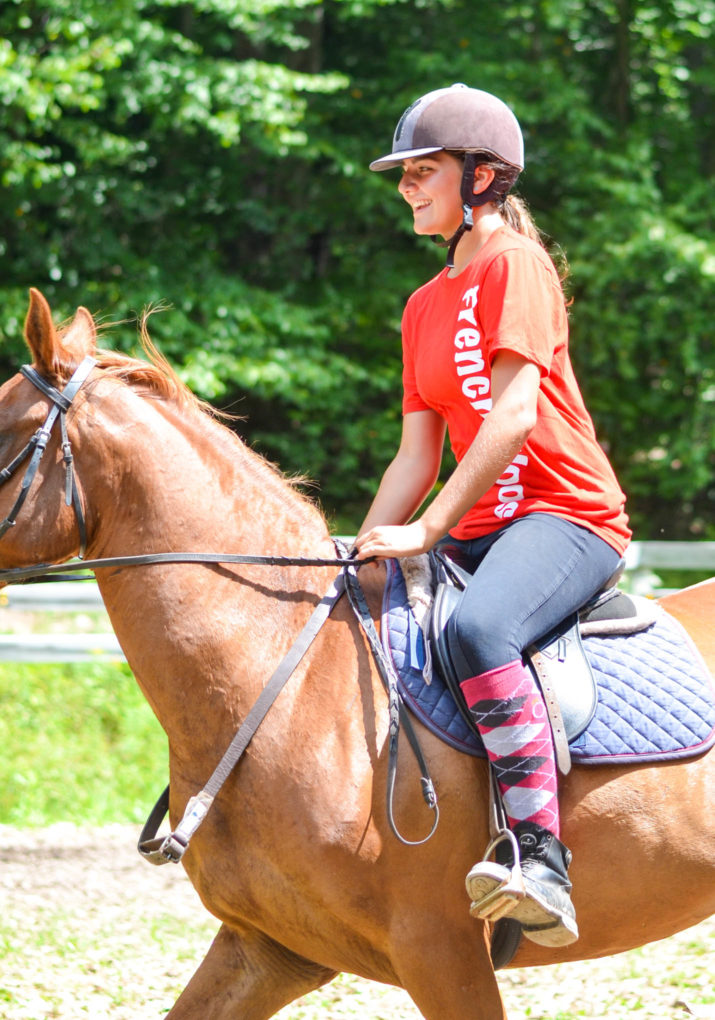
(528, 577)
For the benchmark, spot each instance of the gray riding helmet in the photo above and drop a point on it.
(458, 118)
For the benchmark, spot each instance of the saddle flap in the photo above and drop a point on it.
(559, 662)
(446, 600)
(562, 660)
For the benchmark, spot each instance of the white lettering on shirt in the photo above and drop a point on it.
(469, 358)
(509, 492)
(476, 387)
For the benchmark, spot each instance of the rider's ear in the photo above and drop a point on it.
(483, 177)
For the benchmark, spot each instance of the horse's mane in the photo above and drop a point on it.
(155, 376)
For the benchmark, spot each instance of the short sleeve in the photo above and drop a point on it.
(411, 399)
(522, 307)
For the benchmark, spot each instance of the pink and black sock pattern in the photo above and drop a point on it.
(509, 712)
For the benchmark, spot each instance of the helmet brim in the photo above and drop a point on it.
(394, 159)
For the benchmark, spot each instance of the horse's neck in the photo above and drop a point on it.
(189, 486)
(178, 478)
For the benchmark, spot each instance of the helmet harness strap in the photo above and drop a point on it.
(469, 200)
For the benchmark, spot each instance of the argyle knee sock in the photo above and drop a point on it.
(510, 714)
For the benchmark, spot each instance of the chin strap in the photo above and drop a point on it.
(466, 224)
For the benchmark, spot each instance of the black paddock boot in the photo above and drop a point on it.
(537, 894)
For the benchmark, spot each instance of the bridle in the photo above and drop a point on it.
(160, 850)
(35, 448)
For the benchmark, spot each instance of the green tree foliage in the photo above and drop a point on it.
(211, 155)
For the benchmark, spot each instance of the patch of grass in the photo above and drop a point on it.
(79, 743)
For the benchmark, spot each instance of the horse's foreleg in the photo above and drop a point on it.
(246, 975)
(449, 975)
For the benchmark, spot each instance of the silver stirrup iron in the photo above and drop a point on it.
(502, 899)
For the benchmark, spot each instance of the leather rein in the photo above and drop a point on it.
(171, 848)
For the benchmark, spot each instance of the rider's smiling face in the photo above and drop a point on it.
(431, 187)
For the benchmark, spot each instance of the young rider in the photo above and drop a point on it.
(533, 504)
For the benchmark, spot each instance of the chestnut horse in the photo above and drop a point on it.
(295, 857)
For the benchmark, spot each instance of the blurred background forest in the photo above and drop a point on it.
(211, 155)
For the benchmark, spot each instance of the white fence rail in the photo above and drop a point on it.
(60, 648)
(81, 644)
(643, 561)
(670, 556)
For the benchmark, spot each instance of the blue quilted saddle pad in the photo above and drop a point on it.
(656, 700)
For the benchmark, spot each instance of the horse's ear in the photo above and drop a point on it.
(80, 339)
(55, 353)
(40, 333)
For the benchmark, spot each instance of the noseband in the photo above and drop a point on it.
(61, 403)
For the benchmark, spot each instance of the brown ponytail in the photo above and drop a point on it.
(516, 215)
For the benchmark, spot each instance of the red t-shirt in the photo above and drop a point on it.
(509, 298)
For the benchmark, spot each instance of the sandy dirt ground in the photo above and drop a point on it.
(88, 929)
